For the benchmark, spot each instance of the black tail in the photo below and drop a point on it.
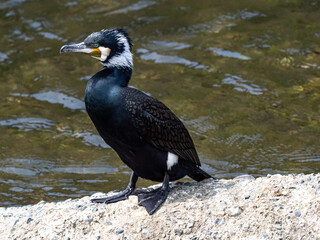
(195, 172)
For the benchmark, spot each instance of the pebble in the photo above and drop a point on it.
(222, 205)
(14, 222)
(301, 181)
(29, 220)
(298, 214)
(119, 231)
(234, 211)
(278, 227)
(190, 225)
(88, 219)
(247, 197)
(145, 231)
(39, 209)
(178, 232)
(217, 221)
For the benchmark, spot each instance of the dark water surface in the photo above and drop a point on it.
(244, 76)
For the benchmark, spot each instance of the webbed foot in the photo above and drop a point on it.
(153, 200)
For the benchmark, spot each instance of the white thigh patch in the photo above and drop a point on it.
(171, 160)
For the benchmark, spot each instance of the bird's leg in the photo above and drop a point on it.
(122, 195)
(152, 200)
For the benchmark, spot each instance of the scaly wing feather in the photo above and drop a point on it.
(157, 125)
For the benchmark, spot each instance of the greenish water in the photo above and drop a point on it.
(244, 76)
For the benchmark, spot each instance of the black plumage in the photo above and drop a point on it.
(146, 135)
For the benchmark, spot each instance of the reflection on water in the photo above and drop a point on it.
(159, 58)
(3, 57)
(85, 170)
(34, 176)
(221, 22)
(243, 85)
(28, 124)
(201, 124)
(56, 97)
(50, 35)
(166, 45)
(242, 75)
(134, 7)
(226, 53)
(18, 171)
(91, 139)
(10, 3)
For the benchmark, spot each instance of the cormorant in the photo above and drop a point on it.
(146, 135)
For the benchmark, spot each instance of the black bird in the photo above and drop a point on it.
(146, 135)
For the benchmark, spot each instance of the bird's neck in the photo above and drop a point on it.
(104, 88)
(116, 76)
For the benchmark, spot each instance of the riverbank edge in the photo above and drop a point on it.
(270, 207)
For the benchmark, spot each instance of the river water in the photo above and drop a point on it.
(244, 77)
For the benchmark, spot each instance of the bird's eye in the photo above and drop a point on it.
(96, 45)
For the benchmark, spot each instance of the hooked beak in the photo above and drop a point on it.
(79, 47)
(100, 53)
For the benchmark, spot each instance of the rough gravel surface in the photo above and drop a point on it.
(271, 207)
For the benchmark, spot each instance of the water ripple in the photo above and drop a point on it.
(134, 7)
(221, 22)
(56, 97)
(202, 124)
(49, 35)
(18, 171)
(11, 3)
(165, 45)
(3, 56)
(91, 139)
(226, 53)
(19, 189)
(28, 124)
(243, 85)
(158, 58)
(86, 169)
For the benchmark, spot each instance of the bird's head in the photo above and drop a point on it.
(111, 47)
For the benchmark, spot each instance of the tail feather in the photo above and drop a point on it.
(199, 175)
(195, 172)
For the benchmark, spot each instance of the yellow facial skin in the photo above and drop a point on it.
(95, 53)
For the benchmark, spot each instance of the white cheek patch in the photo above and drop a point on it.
(105, 52)
(171, 160)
